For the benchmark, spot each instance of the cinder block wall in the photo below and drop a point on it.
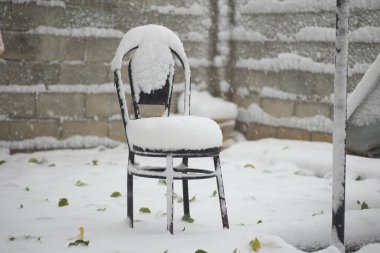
(55, 77)
(294, 91)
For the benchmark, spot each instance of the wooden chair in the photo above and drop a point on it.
(168, 137)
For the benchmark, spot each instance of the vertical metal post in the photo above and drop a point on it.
(339, 133)
(169, 193)
(222, 197)
(185, 190)
(131, 162)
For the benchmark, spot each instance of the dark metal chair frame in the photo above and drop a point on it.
(181, 172)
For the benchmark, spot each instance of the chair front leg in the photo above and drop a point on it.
(222, 198)
(169, 193)
(131, 161)
(185, 190)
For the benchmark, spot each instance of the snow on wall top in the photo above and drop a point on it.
(254, 113)
(48, 3)
(195, 9)
(205, 105)
(291, 61)
(286, 61)
(61, 88)
(239, 33)
(69, 88)
(291, 6)
(366, 34)
(77, 32)
(363, 34)
(101, 32)
(53, 143)
(364, 103)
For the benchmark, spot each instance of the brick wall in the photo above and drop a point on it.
(55, 77)
(295, 92)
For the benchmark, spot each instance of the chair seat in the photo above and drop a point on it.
(168, 134)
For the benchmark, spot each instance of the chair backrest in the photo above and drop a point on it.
(159, 96)
(151, 68)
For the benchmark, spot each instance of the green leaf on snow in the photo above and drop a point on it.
(187, 218)
(162, 181)
(249, 165)
(35, 160)
(144, 210)
(115, 195)
(319, 213)
(63, 202)
(358, 178)
(80, 183)
(79, 243)
(364, 206)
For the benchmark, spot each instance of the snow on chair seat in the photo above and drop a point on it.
(182, 133)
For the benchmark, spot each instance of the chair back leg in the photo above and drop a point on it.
(169, 193)
(185, 190)
(131, 161)
(222, 199)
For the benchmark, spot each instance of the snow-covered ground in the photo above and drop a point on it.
(277, 191)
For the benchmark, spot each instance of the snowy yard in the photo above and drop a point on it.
(277, 191)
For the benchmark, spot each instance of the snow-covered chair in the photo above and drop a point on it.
(151, 73)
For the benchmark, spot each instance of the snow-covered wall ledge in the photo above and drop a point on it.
(254, 114)
(46, 3)
(76, 32)
(289, 61)
(295, 6)
(366, 34)
(48, 143)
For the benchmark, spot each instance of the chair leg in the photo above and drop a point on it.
(169, 193)
(131, 161)
(222, 199)
(185, 191)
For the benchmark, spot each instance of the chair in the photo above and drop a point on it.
(151, 74)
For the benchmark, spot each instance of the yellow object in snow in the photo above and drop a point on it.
(81, 233)
(255, 245)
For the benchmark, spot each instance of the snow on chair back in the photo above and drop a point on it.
(151, 68)
(363, 114)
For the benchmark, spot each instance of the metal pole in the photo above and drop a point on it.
(339, 132)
